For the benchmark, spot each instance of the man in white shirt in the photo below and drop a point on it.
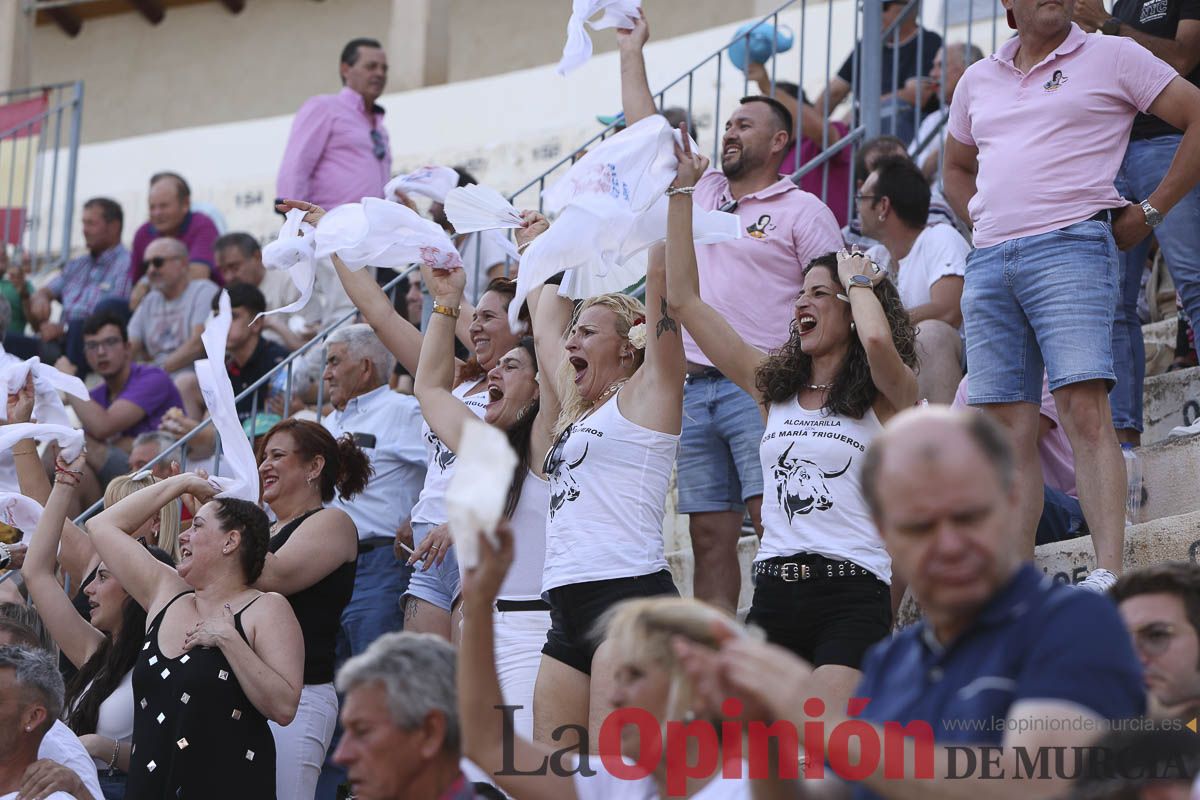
(387, 426)
(926, 262)
(37, 751)
(949, 65)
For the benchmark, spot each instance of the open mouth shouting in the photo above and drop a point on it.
(495, 396)
(805, 324)
(581, 367)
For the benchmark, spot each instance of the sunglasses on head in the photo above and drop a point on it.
(157, 261)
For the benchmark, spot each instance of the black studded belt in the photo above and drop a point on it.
(792, 570)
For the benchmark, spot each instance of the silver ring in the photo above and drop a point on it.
(435, 547)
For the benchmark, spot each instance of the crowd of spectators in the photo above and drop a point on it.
(809, 380)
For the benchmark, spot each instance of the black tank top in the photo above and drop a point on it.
(195, 733)
(319, 609)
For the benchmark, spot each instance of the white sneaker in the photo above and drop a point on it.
(1099, 581)
(1184, 430)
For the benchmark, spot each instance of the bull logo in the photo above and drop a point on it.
(443, 456)
(563, 486)
(800, 484)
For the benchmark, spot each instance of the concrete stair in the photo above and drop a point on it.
(1170, 399)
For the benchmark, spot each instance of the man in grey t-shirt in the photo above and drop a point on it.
(165, 329)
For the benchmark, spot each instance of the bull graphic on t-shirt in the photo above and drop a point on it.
(443, 456)
(800, 484)
(563, 486)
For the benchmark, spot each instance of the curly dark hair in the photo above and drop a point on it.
(786, 370)
(347, 467)
(101, 674)
(252, 522)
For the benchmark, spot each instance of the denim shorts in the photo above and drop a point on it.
(718, 466)
(441, 585)
(1040, 303)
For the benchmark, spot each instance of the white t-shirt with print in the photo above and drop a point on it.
(938, 251)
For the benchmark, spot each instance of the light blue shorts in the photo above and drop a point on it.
(718, 467)
(1040, 303)
(441, 585)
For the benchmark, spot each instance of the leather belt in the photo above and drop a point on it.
(522, 605)
(1103, 215)
(367, 545)
(790, 570)
(698, 371)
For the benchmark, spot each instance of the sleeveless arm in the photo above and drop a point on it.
(322, 543)
(655, 393)
(444, 412)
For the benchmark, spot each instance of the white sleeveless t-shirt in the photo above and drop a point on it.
(431, 504)
(524, 579)
(812, 487)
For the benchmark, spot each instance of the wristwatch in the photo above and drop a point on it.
(1153, 217)
(858, 280)
(1111, 27)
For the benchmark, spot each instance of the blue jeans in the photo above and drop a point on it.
(719, 467)
(898, 118)
(375, 607)
(1146, 162)
(440, 585)
(1040, 303)
(1062, 517)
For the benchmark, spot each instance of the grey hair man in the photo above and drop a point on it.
(39, 755)
(387, 426)
(948, 67)
(402, 736)
(149, 446)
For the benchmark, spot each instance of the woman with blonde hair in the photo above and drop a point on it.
(619, 401)
(642, 636)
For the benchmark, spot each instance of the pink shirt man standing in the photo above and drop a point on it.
(1037, 133)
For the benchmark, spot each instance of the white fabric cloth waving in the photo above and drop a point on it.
(20, 512)
(380, 233)
(294, 252)
(578, 48)
(69, 440)
(236, 453)
(475, 498)
(47, 383)
(431, 181)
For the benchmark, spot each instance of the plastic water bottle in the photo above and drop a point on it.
(1133, 475)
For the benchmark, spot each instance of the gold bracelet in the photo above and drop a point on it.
(452, 313)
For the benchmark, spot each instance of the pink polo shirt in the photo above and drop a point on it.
(753, 282)
(1050, 142)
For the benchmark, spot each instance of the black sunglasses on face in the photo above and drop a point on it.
(157, 262)
(378, 146)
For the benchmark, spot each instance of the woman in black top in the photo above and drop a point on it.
(311, 560)
(220, 657)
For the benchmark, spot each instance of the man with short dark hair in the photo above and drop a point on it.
(1037, 132)
(96, 279)
(1161, 608)
(131, 400)
(171, 216)
(753, 283)
(926, 262)
(239, 260)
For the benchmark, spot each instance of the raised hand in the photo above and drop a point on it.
(446, 285)
(20, 405)
(482, 582)
(535, 226)
(691, 165)
(634, 38)
(312, 215)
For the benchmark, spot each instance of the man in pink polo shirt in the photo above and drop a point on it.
(753, 282)
(1037, 133)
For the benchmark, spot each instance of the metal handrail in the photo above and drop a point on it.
(252, 390)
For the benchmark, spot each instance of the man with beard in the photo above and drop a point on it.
(752, 282)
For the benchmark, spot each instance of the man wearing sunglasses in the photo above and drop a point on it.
(1161, 608)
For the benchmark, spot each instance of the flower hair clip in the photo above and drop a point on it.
(637, 336)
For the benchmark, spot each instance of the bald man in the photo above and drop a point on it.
(165, 328)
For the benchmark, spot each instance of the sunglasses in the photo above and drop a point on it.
(157, 262)
(378, 145)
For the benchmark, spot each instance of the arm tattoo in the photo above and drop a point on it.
(665, 324)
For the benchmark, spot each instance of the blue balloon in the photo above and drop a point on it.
(765, 40)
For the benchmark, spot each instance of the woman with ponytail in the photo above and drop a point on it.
(99, 698)
(311, 561)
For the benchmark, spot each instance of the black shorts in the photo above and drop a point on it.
(577, 607)
(823, 620)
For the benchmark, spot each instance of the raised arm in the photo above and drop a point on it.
(895, 380)
(270, 667)
(716, 337)
(636, 100)
(321, 544)
(444, 412)
(77, 639)
(479, 698)
(144, 577)
(654, 397)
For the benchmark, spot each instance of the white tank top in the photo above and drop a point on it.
(524, 579)
(431, 504)
(115, 720)
(812, 487)
(608, 492)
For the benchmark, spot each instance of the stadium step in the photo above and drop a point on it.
(1169, 400)
(1170, 473)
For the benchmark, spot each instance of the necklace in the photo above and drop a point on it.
(609, 392)
(281, 523)
(820, 387)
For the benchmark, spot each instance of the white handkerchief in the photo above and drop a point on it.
(70, 440)
(47, 383)
(215, 386)
(294, 251)
(480, 208)
(381, 234)
(478, 490)
(431, 181)
(578, 48)
(20, 512)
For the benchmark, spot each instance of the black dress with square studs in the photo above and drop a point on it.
(195, 733)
